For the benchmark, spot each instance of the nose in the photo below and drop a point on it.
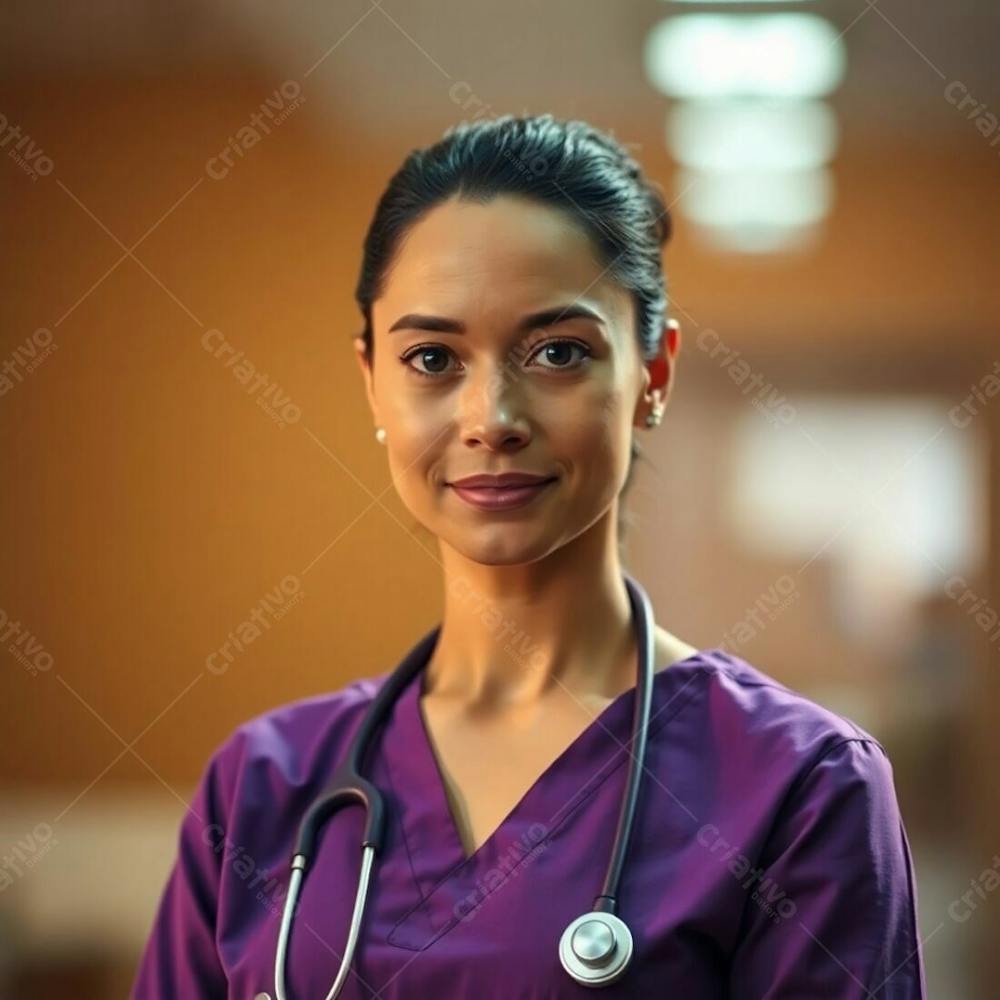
(491, 412)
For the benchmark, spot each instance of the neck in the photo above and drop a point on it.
(513, 634)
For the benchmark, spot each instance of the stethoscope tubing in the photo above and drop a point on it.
(348, 787)
(642, 614)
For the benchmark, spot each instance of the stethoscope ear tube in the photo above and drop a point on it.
(348, 788)
(284, 934)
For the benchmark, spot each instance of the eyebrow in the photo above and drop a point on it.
(547, 317)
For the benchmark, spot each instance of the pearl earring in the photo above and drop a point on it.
(653, 419)
(380, 435)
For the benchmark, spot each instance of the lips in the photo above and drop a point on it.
(507, 491)
(504, 479)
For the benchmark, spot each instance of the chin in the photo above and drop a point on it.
(500, 546)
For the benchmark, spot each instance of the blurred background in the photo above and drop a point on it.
(823, 496)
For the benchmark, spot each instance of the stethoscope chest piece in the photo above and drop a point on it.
(596, 948)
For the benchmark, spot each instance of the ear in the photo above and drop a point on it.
(659, 373)
(367, 376)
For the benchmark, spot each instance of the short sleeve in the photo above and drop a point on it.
(181, 958)
(833, 910)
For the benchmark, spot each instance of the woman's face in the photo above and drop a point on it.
(556, 399)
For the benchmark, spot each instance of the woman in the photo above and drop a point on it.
(514, 301)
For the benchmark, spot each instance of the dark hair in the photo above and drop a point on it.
(569, 165)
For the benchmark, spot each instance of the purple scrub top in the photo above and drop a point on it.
(768, 857)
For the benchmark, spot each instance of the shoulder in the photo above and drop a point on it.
(771, 734)
(293, 741)
(775, 768)
(742, 692)
(800, 803)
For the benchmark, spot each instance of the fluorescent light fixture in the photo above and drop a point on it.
(730, 55)
(756, 211)
(786, 197)
(734, 3)
(752, 135)
(759, 239)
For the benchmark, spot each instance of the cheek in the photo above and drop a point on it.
(417, 437)
(411, 451)
(594, 429)
(415, 418)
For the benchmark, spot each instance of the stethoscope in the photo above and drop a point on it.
(596, 948)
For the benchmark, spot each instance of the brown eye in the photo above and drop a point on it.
(431, 356)
(559, 352)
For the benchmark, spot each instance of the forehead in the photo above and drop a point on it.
(503, 258)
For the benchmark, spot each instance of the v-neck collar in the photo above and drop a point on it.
(441, 871)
